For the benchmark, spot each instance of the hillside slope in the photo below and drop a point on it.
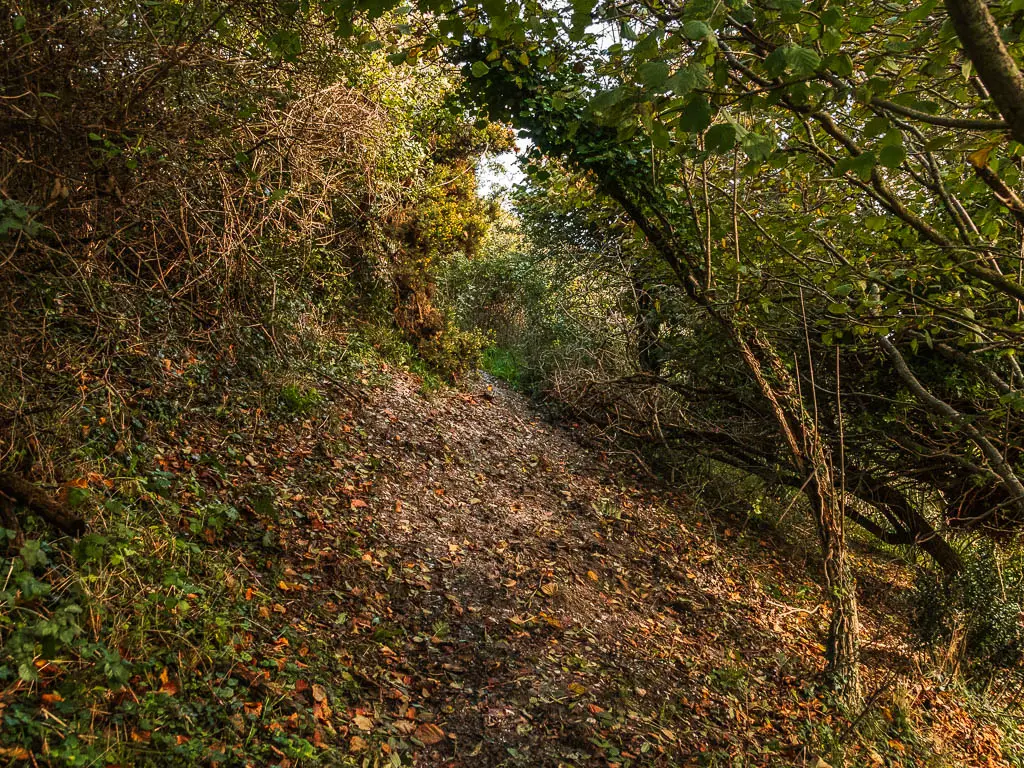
(443, 579)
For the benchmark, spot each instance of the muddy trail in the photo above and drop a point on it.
(497, 593)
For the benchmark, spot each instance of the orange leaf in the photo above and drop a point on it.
(429, 734)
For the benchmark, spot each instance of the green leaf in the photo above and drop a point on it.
(831, 40)
(876, 126)
(803, 61)
(684, 80)
(921, 12)
(696, 115)
(697, 30)
(892, 156)
(653, 74)
(32, 553)
(756, 146)
(659, 136)
(775, 64)
(606, 99)
(480, 68)
(861, 165)
(832, 17)
(861, 23)
(720, 138)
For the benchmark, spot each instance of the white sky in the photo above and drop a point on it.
(500, 172)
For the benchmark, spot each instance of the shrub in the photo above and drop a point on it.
(974, 616)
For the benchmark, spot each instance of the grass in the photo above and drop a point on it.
(502, 364)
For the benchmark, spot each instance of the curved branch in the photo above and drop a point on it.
(967, 124)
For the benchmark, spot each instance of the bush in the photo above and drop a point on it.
(975, 616)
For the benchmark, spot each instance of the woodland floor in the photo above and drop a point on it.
(520, 599)
(452, 579)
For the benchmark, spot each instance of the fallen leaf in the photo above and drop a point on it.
(363, 723)
(429, 734)
(357, 744)
(405, 727)
(550, 589)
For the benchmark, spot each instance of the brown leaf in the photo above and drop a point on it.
(322, 711)
(405, 727)
(363, 723)
(357, 744)
(429, 734)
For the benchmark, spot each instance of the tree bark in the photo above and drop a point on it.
(983, 45)
(892, 503)
(996, 460)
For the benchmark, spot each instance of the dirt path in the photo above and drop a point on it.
(541, 610)
(479, 589)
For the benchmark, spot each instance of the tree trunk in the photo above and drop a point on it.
(811, 460)
(23, 492)
(843, 647)
(984, 46)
